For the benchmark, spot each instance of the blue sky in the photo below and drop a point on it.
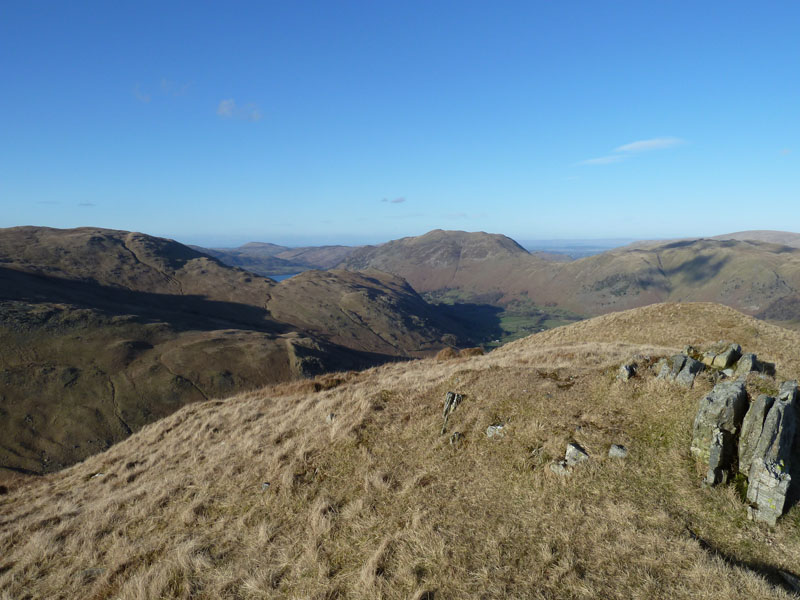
(318, 122)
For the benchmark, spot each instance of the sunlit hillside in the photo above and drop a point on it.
(345, 486)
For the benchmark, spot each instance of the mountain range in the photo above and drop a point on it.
(746, 270)
(103, 331)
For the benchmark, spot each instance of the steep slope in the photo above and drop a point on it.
(353, 492)
(379, 310)
(104, 331)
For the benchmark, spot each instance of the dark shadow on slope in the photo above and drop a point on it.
(700, 268)
(183, 312)
(772, 574)
(480, 322)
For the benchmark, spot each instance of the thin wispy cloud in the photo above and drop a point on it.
(228, 109)
(651, 144)
(141, 95)
(603, 160)
(399, 200)
(630, 149)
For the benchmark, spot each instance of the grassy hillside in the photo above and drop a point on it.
(344, 487)
(103, 331)
(756, 277)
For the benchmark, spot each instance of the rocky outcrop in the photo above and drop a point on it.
(716, 428)
(680, 368)
(722, 360)
(722, 355)
(752, 426)
(771, 468)
(762, 437)
(451, 402)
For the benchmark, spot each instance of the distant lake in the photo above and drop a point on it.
(282, 277)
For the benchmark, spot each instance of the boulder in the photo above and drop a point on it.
(495, 431)
(680, 368)
(750, 363)
(626, 371)
(575, 454)
(770, 472)
(670, 367)
(689, 371)
(617, 451)
(722, 355)
(718, 422)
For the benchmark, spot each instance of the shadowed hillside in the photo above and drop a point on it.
(345, 487)
(104, 331)
(270, 259)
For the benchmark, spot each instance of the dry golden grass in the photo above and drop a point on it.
(377, 504)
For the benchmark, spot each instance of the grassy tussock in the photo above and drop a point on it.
(378, 504)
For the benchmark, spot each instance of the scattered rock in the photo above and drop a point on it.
(575, 454)
(329, 419)
(770, 471)
(451, 402)
(626, 371)
(97, 475)
(617, 451)
(716, 428)
(728, 372)
(265, 486)
(496, 431)
(456, 438)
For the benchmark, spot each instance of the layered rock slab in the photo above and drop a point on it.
(770, 475)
